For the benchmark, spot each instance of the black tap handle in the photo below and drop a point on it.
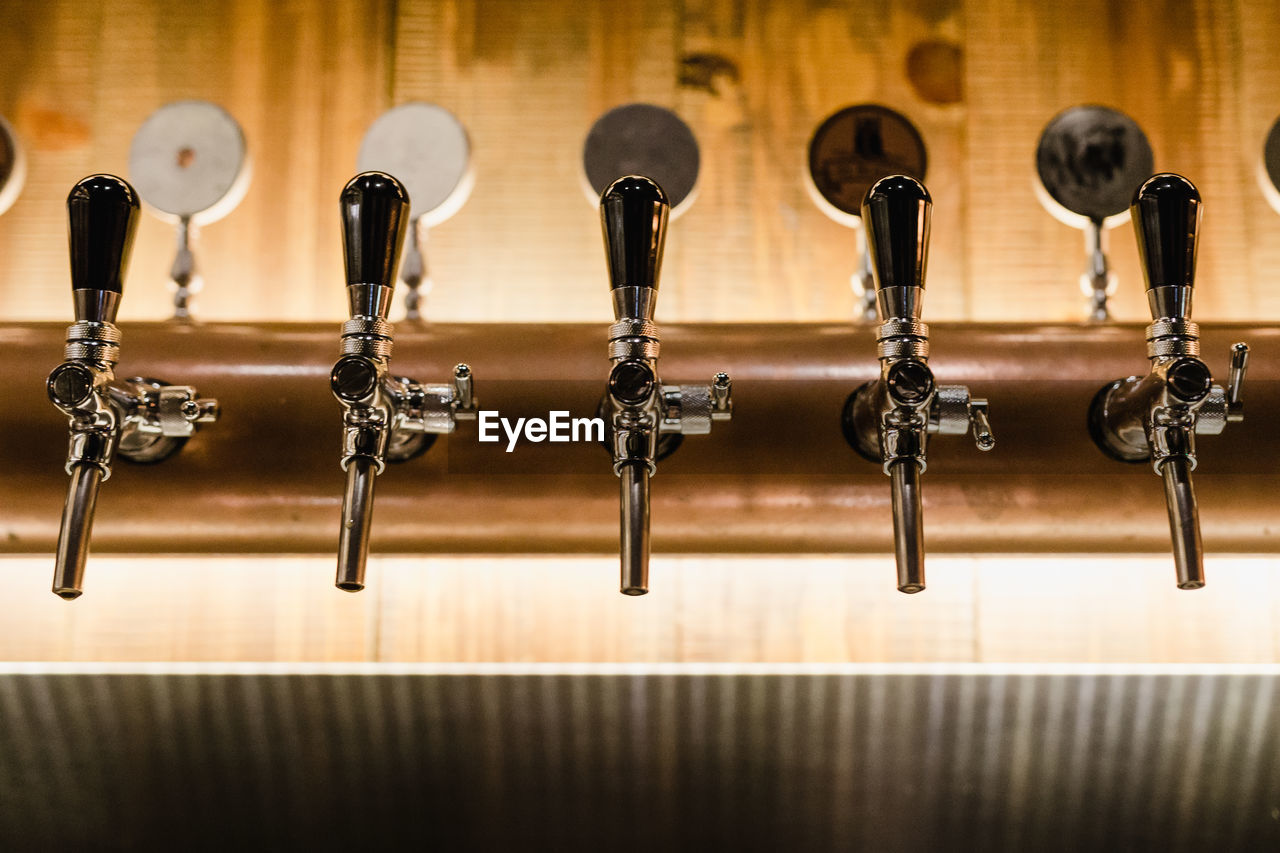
(896, 213)
(375, 216)
(633, 213)
(102, 216)
(1166, 220)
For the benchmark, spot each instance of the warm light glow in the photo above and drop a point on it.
(747, 614)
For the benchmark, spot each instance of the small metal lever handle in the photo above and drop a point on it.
(721, 397)
(464, 401)
(982, 436)
(1235, 382)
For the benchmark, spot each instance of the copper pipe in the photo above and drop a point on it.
(779, 479)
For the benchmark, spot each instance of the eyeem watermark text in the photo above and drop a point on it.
(558, 427)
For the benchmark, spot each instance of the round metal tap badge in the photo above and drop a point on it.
(641, 139)
(1090, 160)
(855, 147)
(189, 161)
(425, 148)
(1268, 168)
(13, 166)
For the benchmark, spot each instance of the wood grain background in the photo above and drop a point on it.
(753, 78)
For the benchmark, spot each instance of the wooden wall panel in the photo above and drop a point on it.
(753, 78)
(304, 78)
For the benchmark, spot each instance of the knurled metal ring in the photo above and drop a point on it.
(366, 345)
(633, 329)
(1167, 326)
(1173, 346)
(367, 326)
(93, 330)
(368, 336)
(98, 351)
(633, 348)
(899, 326)
(908, 347)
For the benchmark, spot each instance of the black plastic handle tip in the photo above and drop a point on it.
(633, 214)
(896, 214)
(1166, 220)
(102, 216)
(375, 216)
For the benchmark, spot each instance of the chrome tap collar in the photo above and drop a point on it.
(93, 341)
(367, 336)
(1170, 337)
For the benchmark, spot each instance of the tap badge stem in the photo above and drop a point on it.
(1157, 417)
(144, 420)
(638, 408)
(889, 420)
(385, 417)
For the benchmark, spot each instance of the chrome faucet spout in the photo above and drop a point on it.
(357, 517)
(889, 420)
(908, 524)
(634, 490)
(1158, 416)
(77, 525)
(1184, 522)
(645, 419)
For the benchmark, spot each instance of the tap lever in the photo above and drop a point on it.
(638, 408)
(1235, 382)
(384, 417)
(375, 215)
(102, 212)
(143, 419)
(464, 403)
(721, 397)
(982, 436)
(896, 214)
(1166, 218)
(633, 215)
(1158, 416)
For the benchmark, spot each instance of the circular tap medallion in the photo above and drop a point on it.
(1090, 160)
(427, 149)
(641, 139)
(855, 147)
(189, 161)
(1268, 172)
(13, 166)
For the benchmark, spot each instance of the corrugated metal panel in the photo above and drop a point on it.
(664, 761)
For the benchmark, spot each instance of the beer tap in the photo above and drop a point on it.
(145, 420)
(1157, 417)
(889, 419)
(385, 417)
(645, 419)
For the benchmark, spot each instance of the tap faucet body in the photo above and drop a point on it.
(1157, 417)
(890, 419)
(645, 419)
(384, 417)
(144, 420)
